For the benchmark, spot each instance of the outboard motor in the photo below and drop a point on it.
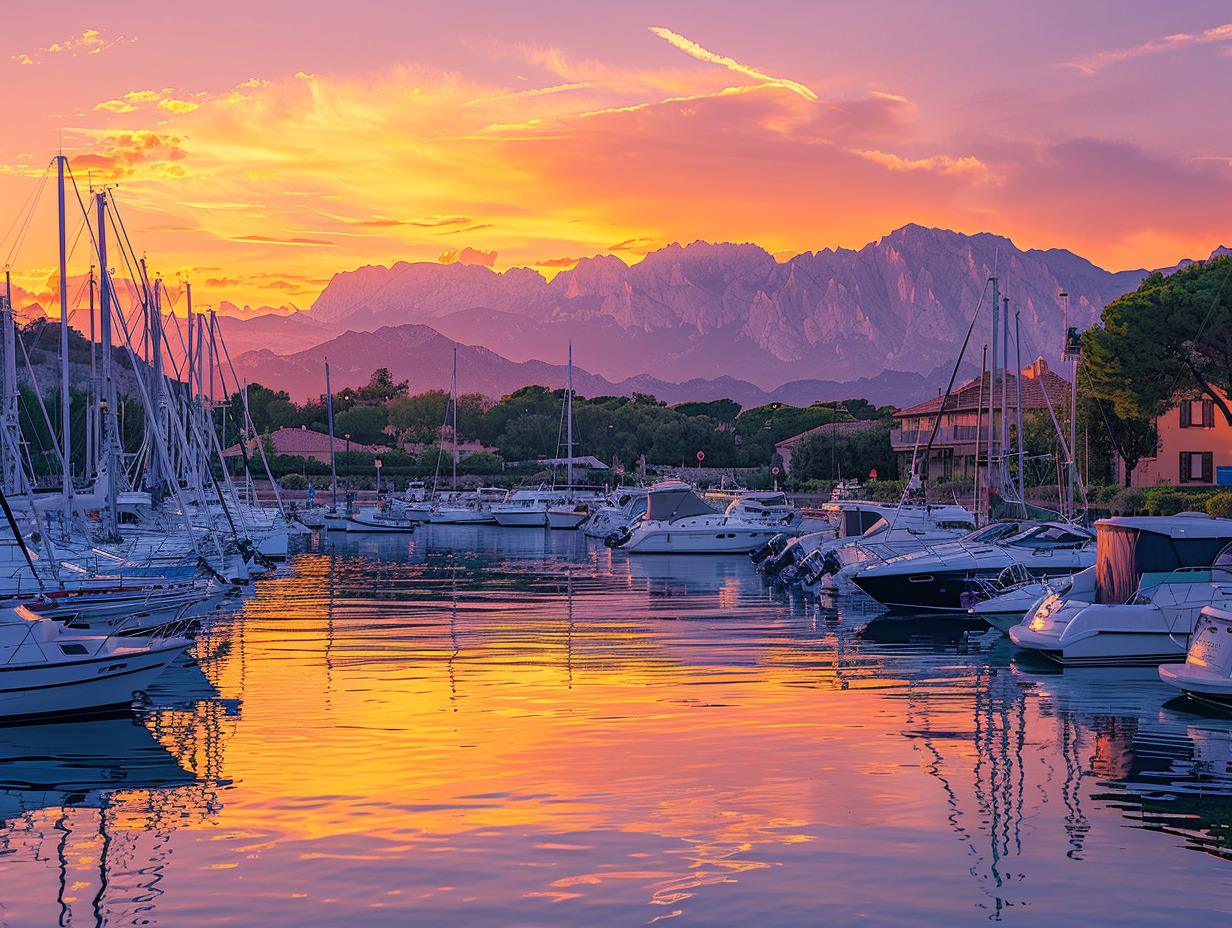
(776, 564)
(776, 544)
(618, 537)
(811, 569)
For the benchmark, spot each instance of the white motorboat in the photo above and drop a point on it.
(678, 521)
(897, 530)
(526, 507)
(626, 505)
(934, 579)
(1207, 671)
(1140, 602)
(380, 518)
(467, 508)
(768, 507)
(568, 516)
(47, 668)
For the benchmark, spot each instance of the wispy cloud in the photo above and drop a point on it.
(270, 240)
(690, 47)
(1092, 63)
(90, 42)
(969, 167)
(387, 222)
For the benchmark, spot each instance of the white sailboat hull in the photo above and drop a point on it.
(97, 682)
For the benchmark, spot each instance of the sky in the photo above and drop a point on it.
(260, 147)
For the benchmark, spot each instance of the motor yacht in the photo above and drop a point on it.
(934, 579)
(678, 521)
(1140, 601)
(1207, 672)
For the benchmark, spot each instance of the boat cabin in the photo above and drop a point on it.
(1136, 552)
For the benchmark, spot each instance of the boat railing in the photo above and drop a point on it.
(1150, 582)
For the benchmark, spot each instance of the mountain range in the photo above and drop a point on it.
(687, 322)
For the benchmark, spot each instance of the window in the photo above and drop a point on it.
(1197, 466)
(1197, 414)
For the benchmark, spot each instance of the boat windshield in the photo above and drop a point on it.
(1050, 535)
(991, 533)
(856, 521)
(881, 525)
(1123, 555)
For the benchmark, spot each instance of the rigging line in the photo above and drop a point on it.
(27, 210)
(954, 374)
(1100, 407)
(55, 444)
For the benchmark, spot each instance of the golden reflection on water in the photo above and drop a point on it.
(513, 728)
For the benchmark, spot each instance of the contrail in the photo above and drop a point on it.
(692, 48)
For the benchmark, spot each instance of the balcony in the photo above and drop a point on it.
(902, 439)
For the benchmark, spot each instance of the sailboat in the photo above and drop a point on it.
(469, 508)
(573, 513)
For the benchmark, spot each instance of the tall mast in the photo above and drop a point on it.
(92, 394)
(1022, 486)
(453, 394)
(160, 398)
(1005, 381)
(1071, 351)
(111, 437)
(992, 386)
(190, 407)
(65, 400)
(8, 416)
(569, 425)
(333, 470)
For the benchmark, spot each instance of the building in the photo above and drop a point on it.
(305, 443)
(959, 434)
(459, 449)
(1195, 447)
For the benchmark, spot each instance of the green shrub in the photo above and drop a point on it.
(1220, 505)
(1161, 501)
(293, 482)
(1125, 502)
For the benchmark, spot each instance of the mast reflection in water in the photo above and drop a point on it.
(482, 726)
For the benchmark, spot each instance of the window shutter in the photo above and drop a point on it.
(1184, 471)
(1186, 417)
(1208, 466)
(1208, 414)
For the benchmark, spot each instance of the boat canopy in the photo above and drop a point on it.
(675, 502)
(1125, 552)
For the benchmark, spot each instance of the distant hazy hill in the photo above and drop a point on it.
(424, 358)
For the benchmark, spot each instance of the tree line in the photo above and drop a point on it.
(528, 425)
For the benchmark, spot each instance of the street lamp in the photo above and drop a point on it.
(347, 488)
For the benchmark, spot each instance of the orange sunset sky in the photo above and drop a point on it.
(261, 147)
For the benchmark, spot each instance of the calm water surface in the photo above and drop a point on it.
(501, 727)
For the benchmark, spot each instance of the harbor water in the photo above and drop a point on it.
(475, 726)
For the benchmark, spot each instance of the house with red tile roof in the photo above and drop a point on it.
(963, 430)
(305, 443)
